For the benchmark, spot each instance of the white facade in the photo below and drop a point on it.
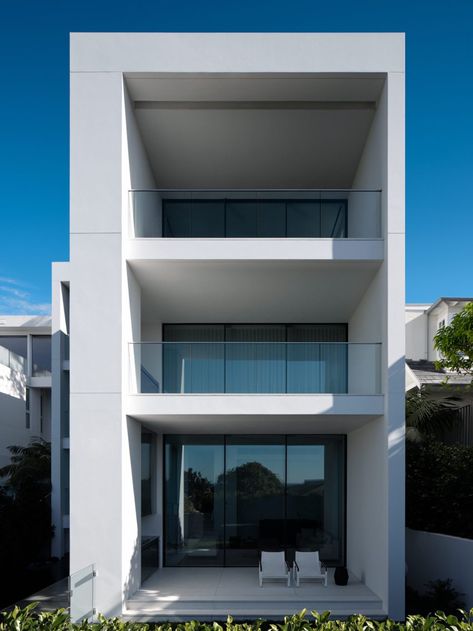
(239, 112)
(25, 381)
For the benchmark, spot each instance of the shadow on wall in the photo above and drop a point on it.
(133, 580)
(12, 383)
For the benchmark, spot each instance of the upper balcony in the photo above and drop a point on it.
(256, 224)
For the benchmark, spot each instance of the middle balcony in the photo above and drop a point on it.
(226, 224)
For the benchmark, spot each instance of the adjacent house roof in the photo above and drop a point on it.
(447, 299)
(425, 373)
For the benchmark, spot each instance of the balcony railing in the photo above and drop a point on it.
(204, 214)
(255, 367)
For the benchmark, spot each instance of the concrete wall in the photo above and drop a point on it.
(367, 516)
(107, 159)
(431, 556)
(416, 333)
(365, 369)
(382, 166)
(96, 340)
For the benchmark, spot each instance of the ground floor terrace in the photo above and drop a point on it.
(219, 500)
(195, 508)
(213, 593)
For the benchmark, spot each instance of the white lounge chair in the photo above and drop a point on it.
(273, 566)
(307, 565)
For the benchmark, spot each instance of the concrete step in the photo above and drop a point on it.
(141, 606)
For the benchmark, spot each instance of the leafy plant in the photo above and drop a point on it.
(428, 417)
(25, 517)
(455, 342)
(439, 488)
(28, 620)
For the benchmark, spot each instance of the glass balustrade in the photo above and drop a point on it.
(255, 367)
(329, 214)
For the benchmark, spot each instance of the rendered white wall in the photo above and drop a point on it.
(382, 166)
(365, 369)
(96, 340)
(367, 506)
(416, 334)
(431, 556)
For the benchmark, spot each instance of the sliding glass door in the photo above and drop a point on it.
(194, 495)
(229, 497)
(254, 497)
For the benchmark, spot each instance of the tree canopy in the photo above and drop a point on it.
(455, 342)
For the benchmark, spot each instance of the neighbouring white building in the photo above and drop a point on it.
(235, 297)
(25, 381)
(422, 323)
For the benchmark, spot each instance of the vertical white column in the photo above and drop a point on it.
(395, 343)
(97, 422)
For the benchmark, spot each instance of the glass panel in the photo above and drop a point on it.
(260, 364)
(13, 352)
(208, 218)
(315, 496)
(271, 219)
(317, 368)
(177, 218)
(194, 367)
(333, 219)
(241, 218)
(278, 492)
(194, 500)
(313, 367)
(254, 492)
(303, 218)
(41, 355)
(81, 586)
(149, 556)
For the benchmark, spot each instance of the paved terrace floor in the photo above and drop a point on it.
(213, 593)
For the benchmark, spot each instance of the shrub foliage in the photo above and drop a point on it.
(28, 620)
(439, 488)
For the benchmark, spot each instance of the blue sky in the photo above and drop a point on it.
(34, 60)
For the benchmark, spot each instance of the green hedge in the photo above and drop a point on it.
(439, 488)
(28, 619)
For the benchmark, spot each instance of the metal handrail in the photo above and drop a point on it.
(253, 190)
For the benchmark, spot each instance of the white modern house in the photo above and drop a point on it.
(25, 381)
(235, 297)
(424, 320)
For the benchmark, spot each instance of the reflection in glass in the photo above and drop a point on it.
(255, 218)
(315, 495)
(194, 500)
(228, 497)
(254, 492)
(41, 355)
